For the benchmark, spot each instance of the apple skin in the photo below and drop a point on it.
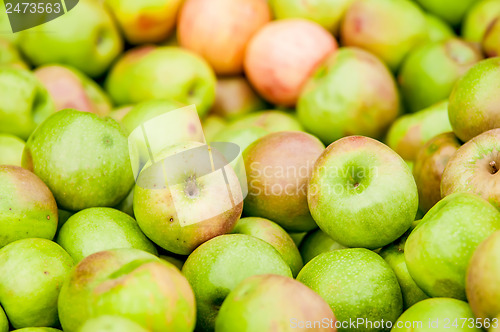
(474, 168)
(70, 88)
(32, 272)
(37, 329)
(98, 229)
(91, 49)
(479, 18)
(442, 312)
(368, 289)
(5, 27)
(150, 21)
(439, 249)
(430, 163)
(11, 150)
(27, 207)
(317, 242)
(89, 155)
(276, 236)
(129, 283)
(235, 98)
(389, 29)
(278, 167)
(220, 264)
(219, 30)
(4, 322)
(437, 29)
(351, 93)
(25, 102)
(271, 120)
(474, 102)
(410, 132)
(428, 74)
(109, 323)
(491, 39)
(213, 125)
(449, 10)
(394, 255)
(9, 54)
(326, 13)
(483, 278)
(157, 215)
(279, 79)
(242, 137)
(167, 72)
(375, 196)
(272, 302)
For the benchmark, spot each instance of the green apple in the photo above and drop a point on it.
(327, 13)
(317, 242)
(11, 150)
(491, 39)
(438, 314)
(429, 73)
(430, 163)
(272, 303)
(149, 21)
(98, 229)
(162, 72)
(213, 125)
(276, 236)
(479, 18)
(297, 237)
(351, 93)
(375, 196)
(9, 54)
(271, 120)
(474, 168)
(4, 322)
(387, 28)
(220, 264)
(109, 323)
(437, 29)
(147, 110)
(5, 27)
(356, 283)
(85, 37)
(194, 207)
(451, 11)
(27, 207)
(37, 329)
(278, 167)
(63, 217)
(70, 88)
(176, 260)
(439, 249)
(25, 102)
(119, 113)
(84, 159)
(235, 98)
(410, 132)
(395, 257)
(129, 283)
(232, 24)
(278, 78)
(243, 137)
(127, 204)
(32, 272)
(474, 102)
(483, 278)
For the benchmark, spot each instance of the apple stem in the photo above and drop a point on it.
(493, 166)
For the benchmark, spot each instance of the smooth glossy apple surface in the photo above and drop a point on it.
(475, 168)
(89, 154)
(375, 195)
(27, 207)
(108, 323)
(267, 302)
(475, 99)
(317, 242)
(437, 29)
(449, 10)
(98, 229)
(439, 249)
(4, 322)
(355, 283)
(479, 18)
(278, 167)
(350, 93)
(483, 278)
(32, 272)
(219, 265)
(270, 120)
(11, 150)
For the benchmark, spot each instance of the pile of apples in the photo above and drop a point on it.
(370, 136)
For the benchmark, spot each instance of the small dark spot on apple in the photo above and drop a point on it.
(171, 219)
(494, 167)
(356, 185)
(46, 273)
(48, 217)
